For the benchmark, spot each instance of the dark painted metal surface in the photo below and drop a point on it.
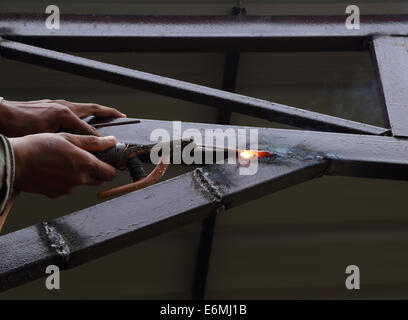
(230, 74)
(348, 154)
(204, 256)
(121, 222)
(199, 33)
(183, 90)
(229, 83)
(391, 55)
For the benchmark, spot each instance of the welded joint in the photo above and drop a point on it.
(302, 155)
(297, 155)
(294, 153)
(208, 185)
(57, 241)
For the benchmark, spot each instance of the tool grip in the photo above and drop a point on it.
(136, 169)
(116, 156)
(109, 156)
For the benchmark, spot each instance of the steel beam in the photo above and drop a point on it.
(297, 156)
(200, 33)
(183, 90)
(391, 56)
(229, 82)
(94, 232)
(204, 255)
(348, 154)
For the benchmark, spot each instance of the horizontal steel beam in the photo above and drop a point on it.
(297, 156)
(199, 33)
(348, 154)
(94, 232)
(183, 90)
(391, 56)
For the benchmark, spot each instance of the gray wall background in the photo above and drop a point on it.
(295, 243)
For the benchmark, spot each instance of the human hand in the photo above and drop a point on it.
(54, 163)
(20, 118)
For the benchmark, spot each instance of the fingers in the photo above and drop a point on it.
(101, 171)
(90, 143)
(81, 109)
(54, 164)
(35, 101)
(64, 183)
(53, 115)
(98, 170)
(69, 120)
(92, 109)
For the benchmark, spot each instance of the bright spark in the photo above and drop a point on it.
(246, 154)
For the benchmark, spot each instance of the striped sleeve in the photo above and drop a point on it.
(6, 172)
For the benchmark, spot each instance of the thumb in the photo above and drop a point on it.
(90, 143)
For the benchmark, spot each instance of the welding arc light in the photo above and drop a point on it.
(246, 154)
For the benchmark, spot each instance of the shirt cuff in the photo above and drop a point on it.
(6, 172)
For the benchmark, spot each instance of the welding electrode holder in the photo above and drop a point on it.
(118, 157)
(126, 156)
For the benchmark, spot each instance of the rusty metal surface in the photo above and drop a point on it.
(121, 222)
(199, 33)
(183, 90)
(391, 56)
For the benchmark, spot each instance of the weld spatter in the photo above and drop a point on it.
(57, 241)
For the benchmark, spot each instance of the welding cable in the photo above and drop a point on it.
(152, 178)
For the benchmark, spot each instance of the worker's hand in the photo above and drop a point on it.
(18, 118)
(54, 163)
